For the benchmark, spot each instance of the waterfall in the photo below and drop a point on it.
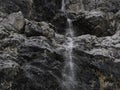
(82, 5)
(63, 6)
(69, 80)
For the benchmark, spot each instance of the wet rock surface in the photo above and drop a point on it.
(32, 34)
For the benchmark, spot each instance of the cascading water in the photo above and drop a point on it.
(69, 80)
(82, 5)
(63, 6)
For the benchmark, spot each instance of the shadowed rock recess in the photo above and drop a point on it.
(33, 38)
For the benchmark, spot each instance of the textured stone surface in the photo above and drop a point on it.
(32, 34)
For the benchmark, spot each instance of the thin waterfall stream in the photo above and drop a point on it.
(69, 80)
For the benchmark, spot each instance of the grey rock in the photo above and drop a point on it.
(33, 28)
(32, 48)
(59, 21)
(3, 32)
(100, 55)
(8, 72)
(14, 21)
(88, 5)
(93, 22)
(10, 6)
(44, 7)
(41, 63)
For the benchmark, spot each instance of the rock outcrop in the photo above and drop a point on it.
(32, 34)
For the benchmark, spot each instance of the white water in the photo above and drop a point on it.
(82, 5)
(68, 82)
(63, 6)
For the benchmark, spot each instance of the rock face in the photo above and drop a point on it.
(93, 22)
(32, 34)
